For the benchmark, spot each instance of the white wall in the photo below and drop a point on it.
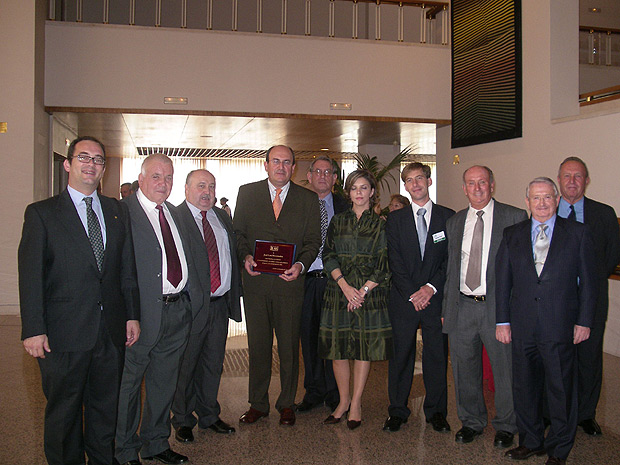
(23, 148)
(545, 143)
(108, 66)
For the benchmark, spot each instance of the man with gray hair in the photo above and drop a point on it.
(319, 380)
(573, 178)
(545, 300)
(166, 279)
(468, 307)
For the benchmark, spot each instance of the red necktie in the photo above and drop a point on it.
(214, 256)
(172, 256)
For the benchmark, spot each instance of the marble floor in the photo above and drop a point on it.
(309, 441)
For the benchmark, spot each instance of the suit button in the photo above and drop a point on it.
(99, 303)
(536, 299)
(539, 281)
(159, 275)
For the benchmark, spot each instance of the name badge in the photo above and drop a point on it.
(439, 236)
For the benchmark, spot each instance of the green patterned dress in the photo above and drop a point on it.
(359, 249)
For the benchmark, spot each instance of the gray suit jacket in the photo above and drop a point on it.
(149, 267)
(200, 256)
(503, 216)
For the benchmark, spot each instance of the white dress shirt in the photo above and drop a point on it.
(468, 233)
(223, 247)
(152, 214)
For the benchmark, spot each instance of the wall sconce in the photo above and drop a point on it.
(456, 160)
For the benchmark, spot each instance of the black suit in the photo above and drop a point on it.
(319, 380)
(84, 314)
(604, 227)
(542, 312)
(201, 366)
(409, 273)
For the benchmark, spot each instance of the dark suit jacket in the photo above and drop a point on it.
(604, 228)
(60, 287)
(409, 271)
(149, 268)
(565, 293)
(340, 204)
(299, 223)
(198, 251)
(503, 216)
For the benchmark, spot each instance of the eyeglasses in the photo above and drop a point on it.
(319, 172)
(277, 162)
(86, 159)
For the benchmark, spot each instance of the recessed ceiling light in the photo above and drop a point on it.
(594, 10)
(340, 106)
(324, 150)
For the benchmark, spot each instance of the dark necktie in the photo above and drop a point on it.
(474, 268)
(94, 232)
(324, 223)
(172, 255)
(422, 230)
(572, 215)
(214, 256)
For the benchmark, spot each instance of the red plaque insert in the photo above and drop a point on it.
(273, 257)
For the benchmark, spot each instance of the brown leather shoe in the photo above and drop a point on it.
(522, 453)
(287, 416)
(252, 416)
(555, 461)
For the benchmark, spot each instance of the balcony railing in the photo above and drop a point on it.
(599, 46)
(403, 21)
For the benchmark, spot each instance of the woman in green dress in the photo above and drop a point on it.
(354, 320)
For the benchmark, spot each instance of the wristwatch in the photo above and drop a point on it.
(366, 289)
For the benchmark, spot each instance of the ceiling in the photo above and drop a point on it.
(125, 133)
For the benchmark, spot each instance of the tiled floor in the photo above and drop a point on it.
(309, 441)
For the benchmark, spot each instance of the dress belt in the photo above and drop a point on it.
(477, 298)
(168, 298)
(317, 274)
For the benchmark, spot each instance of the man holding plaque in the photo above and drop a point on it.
(287, 217)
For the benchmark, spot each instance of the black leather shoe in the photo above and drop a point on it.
(184, 434)
(221, 427)
(393, 423)
(522, 453)
(129, 462)
(555, 461)
(503, 439)
(305, 406)
(591, 427)
(168, 456)
(439, 423)
(466, 434)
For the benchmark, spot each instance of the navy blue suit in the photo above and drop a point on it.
(409, 273)
(543, 311)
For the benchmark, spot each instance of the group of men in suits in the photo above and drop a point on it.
(113, 294)
(152, 286)
(475, 276)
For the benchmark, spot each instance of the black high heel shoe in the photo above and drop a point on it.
(332, 420)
